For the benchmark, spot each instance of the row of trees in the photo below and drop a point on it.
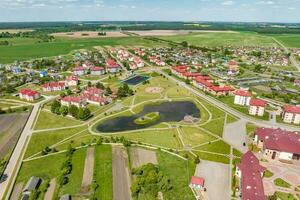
(78, 113)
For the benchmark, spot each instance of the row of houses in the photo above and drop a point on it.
(90, 95)
(244, 98)
(111, 67)
(124, 56)
(202, 82)
(29, 95)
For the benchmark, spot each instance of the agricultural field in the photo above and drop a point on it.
(224, 39)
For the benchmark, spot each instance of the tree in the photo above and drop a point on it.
(108, 91)
(273, 197)
(100, 86)
(89, 84)
(83, 113)
(73, 110)
(64, 110)
(55, 104)
(197, 160)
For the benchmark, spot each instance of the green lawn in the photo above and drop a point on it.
(285, 196)
(46, 168)
(179, 171)
(223, 39)
(282, 183)
(194, 136)
(231, 119)
(289, 40)
(268, 174)
(41, 140)
(163, 138)
(75, 179)
(215, 126)
(103, 172)
(212, 157)
(216, 147)
(47, 120)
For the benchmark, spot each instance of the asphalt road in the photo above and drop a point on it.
(121, 179)
(18, 154)
(229, 109)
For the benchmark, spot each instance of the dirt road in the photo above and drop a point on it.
(17, 191)
(50, 192)
(88, 170)
(121, 178)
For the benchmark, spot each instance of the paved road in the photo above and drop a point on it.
(235, 135)
(121, 179)
(15, 161)
(229, 109)
(216, 177)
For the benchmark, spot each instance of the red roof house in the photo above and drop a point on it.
(29, 95)
(258, 102)
(197, 182)
(251, 172)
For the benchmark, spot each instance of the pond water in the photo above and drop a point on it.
(136, 80)
(169, 112)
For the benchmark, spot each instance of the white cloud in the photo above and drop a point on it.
(228, 3)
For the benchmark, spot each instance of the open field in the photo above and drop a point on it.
(224, 39)
(15, 30)
(53, 121)
(140, 157)
(103, 173)
(62, 46)
(289, 40)
(89, 34)
(173, 32)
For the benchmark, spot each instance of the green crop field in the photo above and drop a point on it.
(289, 40)
(28, 49)
(224, 39)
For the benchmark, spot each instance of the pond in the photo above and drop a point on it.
(168, 112)
(136, 80)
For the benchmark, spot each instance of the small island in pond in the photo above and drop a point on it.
(148, 118)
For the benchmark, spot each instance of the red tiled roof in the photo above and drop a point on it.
(79, 69)
(203, 77)
(243, 93)
(291, 109)
(191, 74)
(232, 62)
(53, 84)
(258, 102)
(28, 92)
(197, 181)
(97, 68)
(204, 82)
(72, 78)
(280, 140)
(72, 99)
(112, 63)
(221, 89)
(252, 185)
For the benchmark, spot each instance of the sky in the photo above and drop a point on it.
(150, 10)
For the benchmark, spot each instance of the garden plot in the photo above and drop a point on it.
(140, 157)
(121, 179)
(88, 170)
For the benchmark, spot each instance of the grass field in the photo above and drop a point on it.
(292, 40)
(194, 136)
(103, 172)
(25, 49)
(218, 147)
(48, 120)
(179, 172)
(224, 39)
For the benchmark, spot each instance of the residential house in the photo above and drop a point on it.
(220, 90)
(97, 71)
(297, 82)
(71, 81)
(54, 86)
(79, 71)
(71, 100)
(112, 66)
(250, 173)
(257, 107)
(197, 182)
(291, 114)
(29, 95)
(278, 144)
(43, 73)
(242, 97)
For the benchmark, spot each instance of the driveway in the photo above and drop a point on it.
(235, 135)
(216, 177)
